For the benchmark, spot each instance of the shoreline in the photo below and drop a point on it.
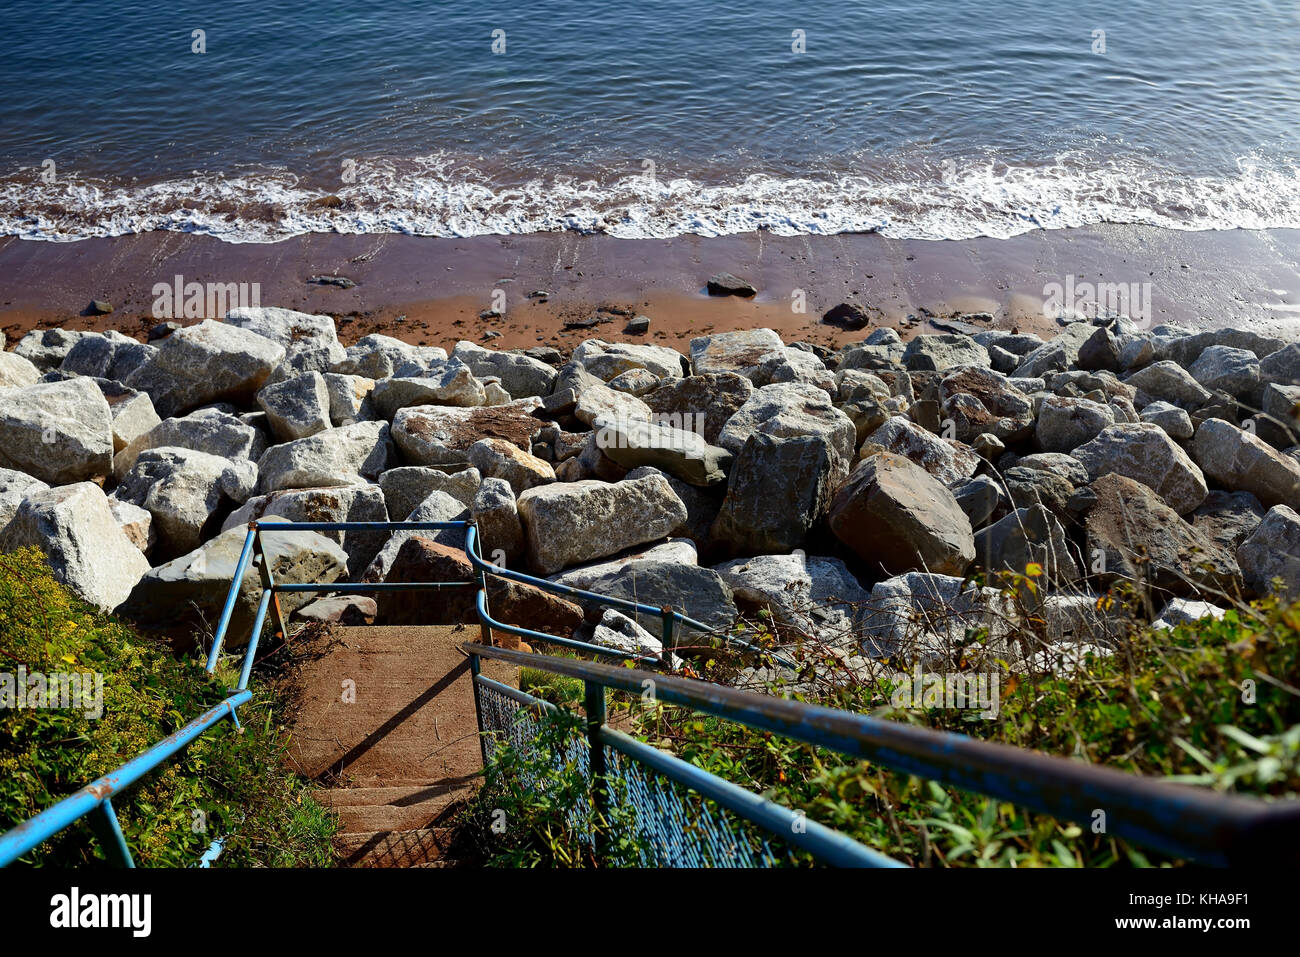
(1200, 279)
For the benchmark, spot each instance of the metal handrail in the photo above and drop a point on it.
(96, 798)
(1178, 819)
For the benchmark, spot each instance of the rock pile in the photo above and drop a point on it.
(853, 495)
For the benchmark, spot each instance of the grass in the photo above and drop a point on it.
(1213, 703)
(228, 784)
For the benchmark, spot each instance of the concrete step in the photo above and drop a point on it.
(407, 848)
(390, 808)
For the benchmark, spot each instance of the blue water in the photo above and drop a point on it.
(663, 117)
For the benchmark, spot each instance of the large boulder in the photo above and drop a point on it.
(14, 487)
(1146, 453)
(1271, 552)
(442, 435)
(741, 351)
(495, 511)
(499, 458)
(86, 548)
(633, 443)
(1027, 535)
(1242, 462)
(377, 356)
(897, 517)
(16, 372)
(679, 550)
(947, 460)
(423, 560)
(778, 489)
(1227, 518)
(296, 407)
(284, 326)
(935, 353)
(791, 409)
(205, 363)
(1132, 535)
(59, 432)
(1065, 424)
(816, 596)
(47, 348)
(347, 455)
(185, 597)
(605, 360)
(448, 383)
(520, 375)
(184, 491)
(343, 503)
(1169, 381)
(1225, 369)
(997, 407)
(922, 616)
(698, 593)
(349, 398)
(407, 486)
(109, 355)
(700, 403)
(204, 430)
(568, 523)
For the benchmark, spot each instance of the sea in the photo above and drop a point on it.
(257, 120)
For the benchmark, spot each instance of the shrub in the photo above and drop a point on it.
(226, 784)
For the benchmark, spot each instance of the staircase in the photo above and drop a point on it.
(386, 725)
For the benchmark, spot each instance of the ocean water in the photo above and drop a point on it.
(930, 120)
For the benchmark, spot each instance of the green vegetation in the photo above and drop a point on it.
(226, 784)
(1211, 703)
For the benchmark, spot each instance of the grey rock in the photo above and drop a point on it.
(58, 432)
(788, 410)
(344, 456)
(894, 514)
(940, 352)
(711, 398)
(205, 363)
(947, 460)
(1223, 368)
(1272, 552)
(570, 523)
(1145, 453)
(816, 596)
(407, 486)
(183, 490)
(1175, 421)
(496, 512)
(297, 407)
(778, 489)
(345, 503)
(632, 443)
(206, 430)
(1065, 424)
(740, 351)
(187, 594)
(1242, 462)
(86, 548)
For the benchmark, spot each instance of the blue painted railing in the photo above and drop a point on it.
(1179, 820)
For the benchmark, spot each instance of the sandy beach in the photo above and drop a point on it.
(432, 290)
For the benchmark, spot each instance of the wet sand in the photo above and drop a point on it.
(431, 290)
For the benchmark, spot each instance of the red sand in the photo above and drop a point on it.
(440, 285)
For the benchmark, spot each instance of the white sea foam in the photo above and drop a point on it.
(435, 196)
